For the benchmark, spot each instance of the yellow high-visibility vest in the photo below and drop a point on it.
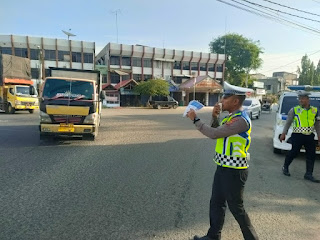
(304, 120)
(232, 151)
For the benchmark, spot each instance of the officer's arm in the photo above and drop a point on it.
(317, 125)
(237, 125)
(214, 122)
(289, 121)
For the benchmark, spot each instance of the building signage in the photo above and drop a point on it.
(258, 84)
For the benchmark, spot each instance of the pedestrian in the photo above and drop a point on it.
(231, 157)
(305, 119)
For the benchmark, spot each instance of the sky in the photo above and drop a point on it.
(173, 24)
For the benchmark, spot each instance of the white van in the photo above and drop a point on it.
(287, 101)
(253, 107)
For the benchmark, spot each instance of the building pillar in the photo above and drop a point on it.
(207, 99)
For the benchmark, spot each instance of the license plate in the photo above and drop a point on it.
(66, 128)
(317, 148)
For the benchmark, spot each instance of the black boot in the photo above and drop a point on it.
(285, 171)
(311, 178)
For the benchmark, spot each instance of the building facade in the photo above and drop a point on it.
(289, 78)
(141, 63)
(49, 52)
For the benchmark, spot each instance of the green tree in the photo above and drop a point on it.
(153, 87)
(243, 53)
(308, 74)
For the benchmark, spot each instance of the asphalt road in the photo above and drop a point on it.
(147, 176)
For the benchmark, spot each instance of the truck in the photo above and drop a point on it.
(157, 102)
(71, 103)
(16, 87)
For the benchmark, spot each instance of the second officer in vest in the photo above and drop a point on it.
(231, 157)
(305, 120)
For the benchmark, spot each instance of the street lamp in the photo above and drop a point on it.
(40, 68)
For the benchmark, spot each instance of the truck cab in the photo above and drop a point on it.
(71, 106)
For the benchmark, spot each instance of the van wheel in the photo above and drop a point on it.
(175, 106)
(276, 151)
(251, 116)
(257, 117)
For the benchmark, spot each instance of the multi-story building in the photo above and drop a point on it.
(141, 63)
(49, 52)
(289, 78)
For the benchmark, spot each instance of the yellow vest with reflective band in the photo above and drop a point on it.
(304, 120)
(232, 151)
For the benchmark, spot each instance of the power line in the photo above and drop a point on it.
(292, 7)
(276, 10)
(316, 1)
(272, 17)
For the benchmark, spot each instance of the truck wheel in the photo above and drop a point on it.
(154, 106)
(89, 137)
(158, 106)
(44, 136)
(10, 109)
(31, 111)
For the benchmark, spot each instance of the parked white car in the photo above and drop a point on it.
(253, 107)
(287, 101)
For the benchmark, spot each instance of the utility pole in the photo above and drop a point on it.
(116, 13)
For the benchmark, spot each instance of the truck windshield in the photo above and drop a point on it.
(24, 90)
(292, 101)
(71, 89)
(247, 103)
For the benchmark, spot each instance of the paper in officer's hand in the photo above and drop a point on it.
(195, 105)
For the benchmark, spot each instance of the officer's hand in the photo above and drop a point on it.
(216, 110)
(191, 114)
(282, 137)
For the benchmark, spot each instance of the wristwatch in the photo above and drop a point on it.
(196, 119)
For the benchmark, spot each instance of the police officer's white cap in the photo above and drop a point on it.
(303, 93)
(235, 90)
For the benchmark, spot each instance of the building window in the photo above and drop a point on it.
(64, 56)
(34, 54)
(35, 73)
(185, 65)
(147, 62)
(114, 77)
(126, 61)
(114, 60)
(147, 77)
(137, 77)
(88, 57)
(177, 80)
(194, 66)
(136, 62)
(211, 67)
(219, 68)
(268, 87)
(47, 72)
(177, 65)
(6, 50)
(76, 57)
(157, 64)
(21, 52)
(203, 67)
(166, 65)
(50, 55)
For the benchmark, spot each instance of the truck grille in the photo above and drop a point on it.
(68, 119)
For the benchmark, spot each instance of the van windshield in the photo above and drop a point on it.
(247, 103)
(61, 88)
(292, 101)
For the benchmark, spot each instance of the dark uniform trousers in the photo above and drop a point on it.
(228, 186)
(299, 139)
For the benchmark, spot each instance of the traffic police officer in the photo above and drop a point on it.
(231, 157)
(305, 120)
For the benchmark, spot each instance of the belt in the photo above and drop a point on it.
(304, 130)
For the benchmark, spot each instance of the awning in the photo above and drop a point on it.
(121, 73)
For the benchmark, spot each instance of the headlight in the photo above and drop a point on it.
(17, 102)
(91, 118)
(44, 118)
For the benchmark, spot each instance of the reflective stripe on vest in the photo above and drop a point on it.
(232, 151)
(304, 120)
